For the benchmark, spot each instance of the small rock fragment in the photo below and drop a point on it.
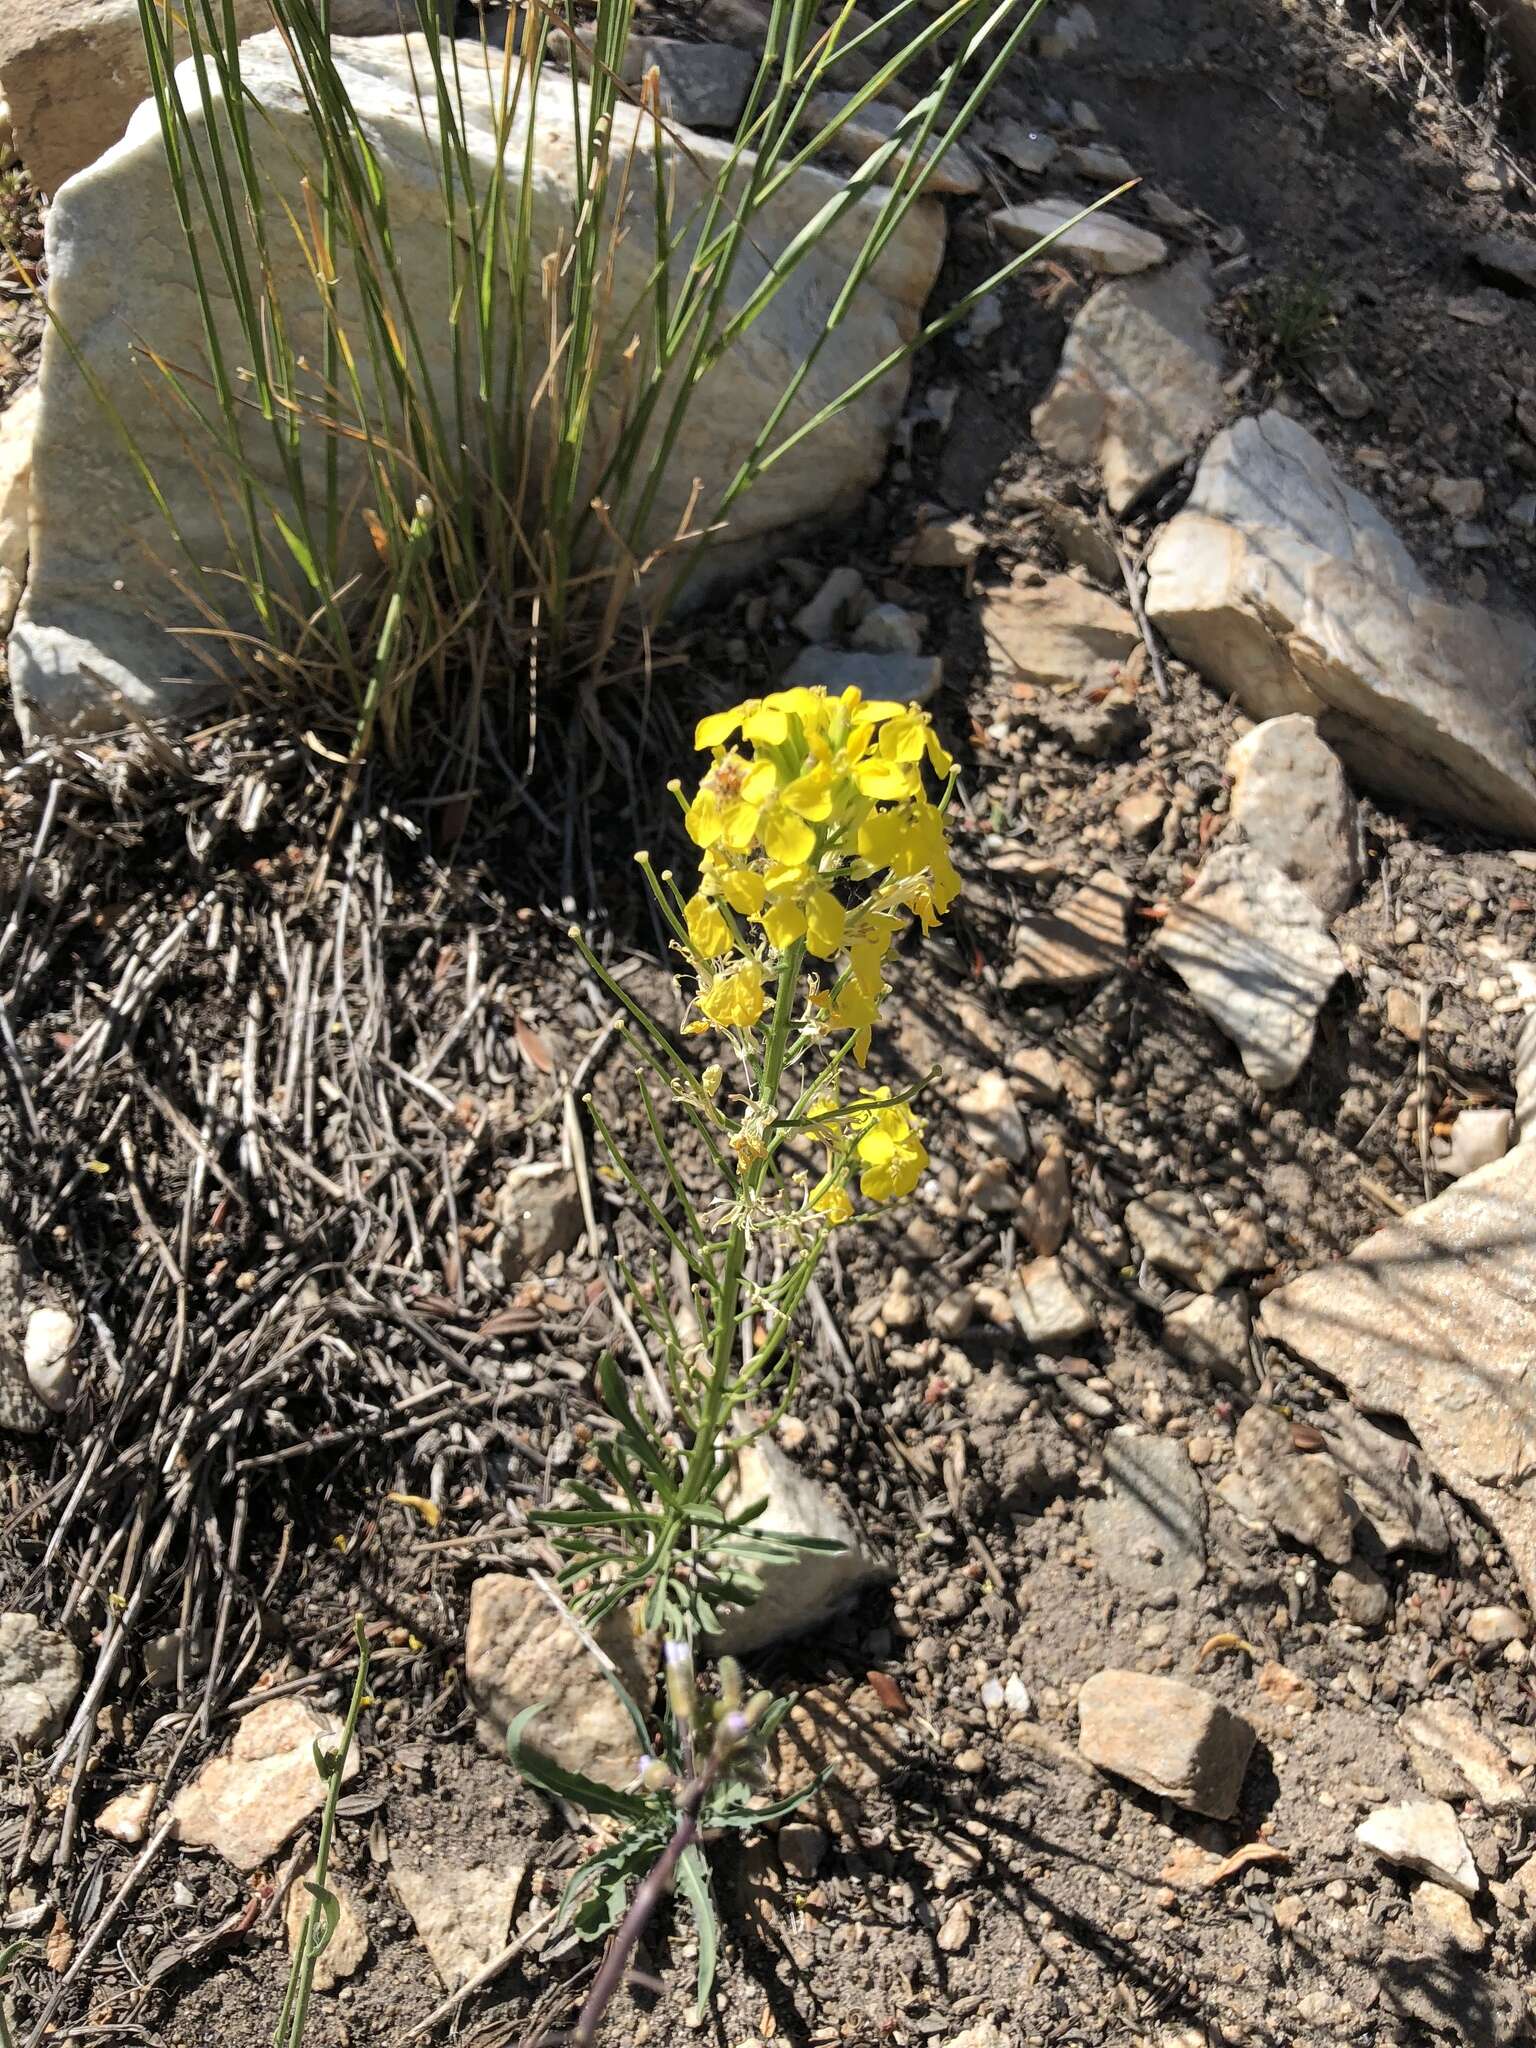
(1493, 1627)
(40, 1675)
(347, 1950)
(1345, 390)
(1056, 633)
(1461, 497)
(247, 1804)
(909, 678)
(1149, 1531)
(901, 1307)
(889, 629)
(952, 1315)
(1254, 951)
(1069, 32)
(1301, 1494)
(125, 1819)
(1212, 1332)
(803, 1594)
(538, 1209)
(1422, 1835)
(462, 1914)
(821, 617)
(1104, 242)
(956, 1928)
(984, 2034)
(1167, 1737)
(802, 1849)
(45, 1352)
(1446, 1730)
(992, 1120)
(1478, 1137)
(1291, 802)
(1177, 1235)
(1140, 814)
(1049, 1312)
(519, 1650)
(1045, 1211)
(1139, 384)
(1388, 1481)
(1025, 148)
(1358, 1594)
(1446, 1919)
(1084, 940)
(945, 544)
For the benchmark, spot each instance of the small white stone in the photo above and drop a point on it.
(1478, 1137)
(1016, 1697)
(45, 1350)
(1493, 1627)
(992, 1120)
(1422, 1835)
(126, 1818)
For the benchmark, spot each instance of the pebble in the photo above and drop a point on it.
(956, 1927)
(125, 1819)
(1404, 1015)
(890, 629)
(1048, 1310)
(1478, 1137)
(821, 617)
(1212, 1332)
(1449, 1922)
(1176, 1234)
(953, 1314)
(1358, 1594)
(901, 1307)
(993, 1122)
(45, 1352)
(1140, 814)
(1168, 1737)
(1045, 1211)
(1103, 242)
(1302, 1495)
(802, 1848)
(1422, 1835)
(1493, 1627)
(1461, 497)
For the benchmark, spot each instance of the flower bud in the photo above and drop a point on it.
(730, 1684)
(680, 1691)
(655, 1776)
(711, 1079)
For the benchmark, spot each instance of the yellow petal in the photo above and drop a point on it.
(784, 923)
(811, 795)
(715, 730)
(786, 838)
(768, 727)
(884, 780)
(761, 781)
(824, 925)
(708, 932)
(744, 890)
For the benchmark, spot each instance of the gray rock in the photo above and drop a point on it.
(1097, 160)
(703, 85)
(1167, 1737)
(1283, 584)
(1345, 390)
(538, 1212)
(116, 267)
(519, 1651)
(1509, 259)
(40, 1676)
(1254, 951)
(1211, 1332)
(868, 130)
(1139, 386)
(821, 617)
(889, 629)
(1149, 1530)
(463, 1913)
(909, 678)
(1422, 1835)
(802, 1849)
(1068, 32)
(1291, 802)
(1083, 541)
(1389, 1483)
(1358, 1594)
(1478, 1137)
(1082, 941)
(1025, 148)
(1446, 1730)
(1492, 1627)
(1048, 1310)
(802, 1595)
(1091, 725)
(1430, 1319)
(1300, 1493)
(1057, 632)
(1103, 241)
(1523, 1074)
(1176, 1234)
(992, 1119)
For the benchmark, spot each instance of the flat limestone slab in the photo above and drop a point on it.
(1434, 1319)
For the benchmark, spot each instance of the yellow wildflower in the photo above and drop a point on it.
(736, 1000)
(891, 1152)
(833, 1202)
(708, 933)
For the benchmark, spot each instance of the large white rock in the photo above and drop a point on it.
(119, 275)
(1139, 385)
(1105, 243)
(1254, 952)
(1433, 1319)
(74, 70)
(1285, 585)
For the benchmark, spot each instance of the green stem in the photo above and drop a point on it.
(701, 1458)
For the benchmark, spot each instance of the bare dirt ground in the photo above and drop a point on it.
(976, 1868)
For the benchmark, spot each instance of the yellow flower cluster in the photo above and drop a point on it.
(816, 827)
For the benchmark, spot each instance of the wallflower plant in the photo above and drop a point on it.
(820, 825)
(701, 1776)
